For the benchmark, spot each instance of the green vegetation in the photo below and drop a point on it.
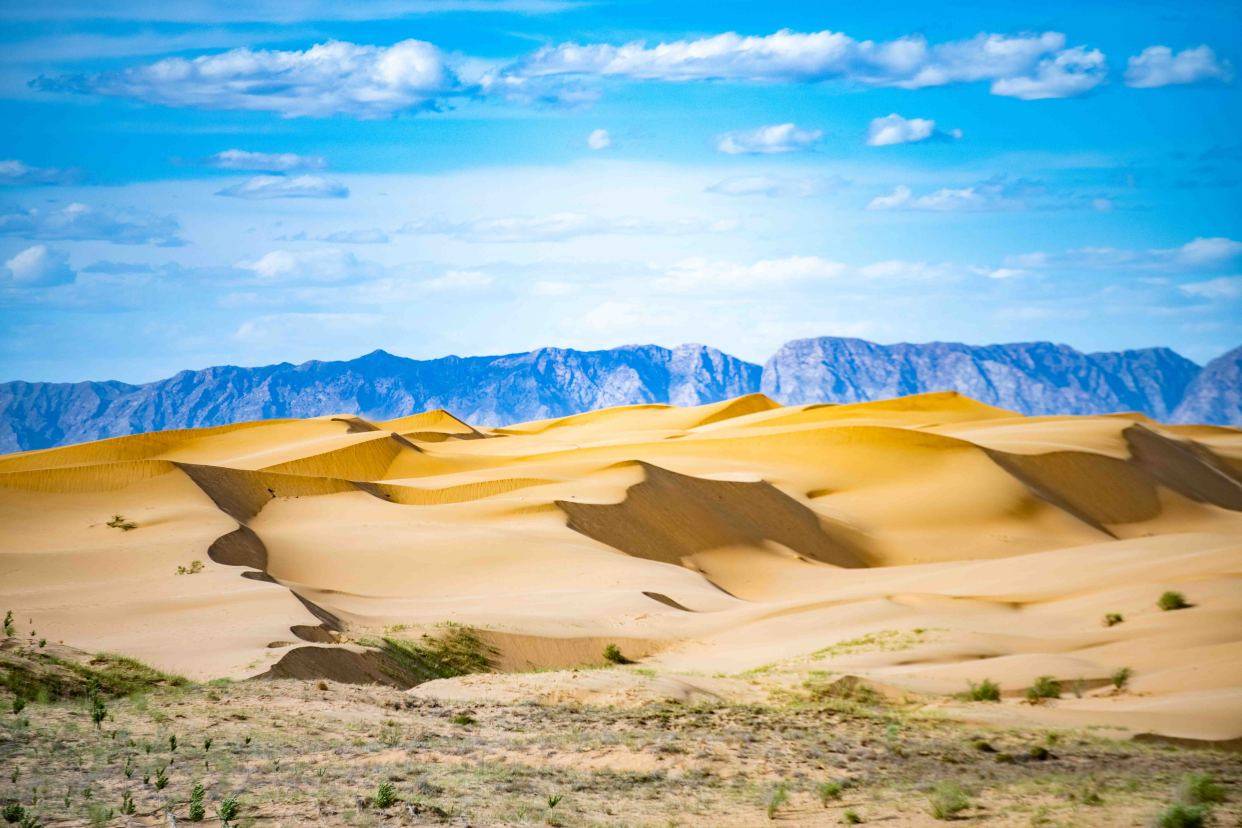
(1121, 677)
(1112, 619)
(197, 809)
(10, 629)
(463, 719)
(778, 797)
(1045, 687)
(851, 817)
(38, 674)
(554, 800)
(829, 791)
(13, 812)
(161, 779)
(1200, 789)
(227, 810)
(119, 522)
(99, 710)
(1172, 601)
(455, 651)
(1183, 816)
(948, 800)
(613, 654)
(385, 795)
(194, 568)
(127, 803)
(986, 690)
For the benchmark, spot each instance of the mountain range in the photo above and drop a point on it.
(1033, 378)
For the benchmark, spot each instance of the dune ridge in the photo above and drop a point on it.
(921, 543)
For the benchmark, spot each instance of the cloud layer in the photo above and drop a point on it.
(275, 162)
(82, 222)
(279, 186)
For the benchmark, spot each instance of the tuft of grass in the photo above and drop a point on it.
(947, 800)
(986, 690)
(1183, 816)
(1172, 601)
(197, 809)
(613, 654)
(1200, 789)
(1045, 687)
(851, 817)
(98, 814)
(127, 803)
(1121, 677)
(1112, 619)
(119, 522)
(227, 810)
(385, 795)
(195, 567)
(554, 800)
(10, 629)
(161, 779)
(828, 791)
(778, 797)
(455, 651)
(463, 719)
(13, 812)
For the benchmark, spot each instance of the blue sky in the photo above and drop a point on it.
(185, 184)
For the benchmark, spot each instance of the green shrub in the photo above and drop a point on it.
(98, 814)
(1121, 677)
(454, 651)
(613, 654)
(778, 797)
(986, 690)
(554, 800)
(1172, 601)
(10, 629)
(385, 795)
(948, 800)
(99, 710)
(228, 809)
(463, 719)
(13, 812)
(829, 791)
(127, 803)
(161, 779)
(197, 809)
(19, 704)
(1200, 789)
(1183, 816)
(1112, 619)
(1045, 687)
(851, 817)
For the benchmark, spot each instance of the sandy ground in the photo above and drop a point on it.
(923, 544)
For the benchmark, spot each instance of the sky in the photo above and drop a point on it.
(186, 183)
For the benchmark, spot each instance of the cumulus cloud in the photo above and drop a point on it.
(1159, 66)
(81, 222)
(14, 173)
(236, 159)
(599, 139)
(767, 140)
(324, 265)
(894, 129)
(332, 78)
(1025, 66)
(279, 186)
(775, 186)
(1222, 288)
(561, 226)
(39, 266)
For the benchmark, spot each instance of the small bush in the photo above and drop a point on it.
(385, 795)
(194, 568)
(463, 719)
(1172, 601)
(127, 803)
(228, 809)
(10, 629)
(119, 522)
(948, 800)
(1112, 619)
(778, 797)
(613, 654)
(851, 817)
(99, 710)
(197, 809)
(1183, 816)
(13, 812)
(1121, 677)
(454, 651)
(98, 814)
(1045, 687)
(986, 690)
(161, 779)
(19, 704)
(829, 791)
(1200, 789)
(554, 800)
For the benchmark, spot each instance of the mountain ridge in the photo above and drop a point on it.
(1030, 377)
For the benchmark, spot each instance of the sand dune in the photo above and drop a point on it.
(921, 543)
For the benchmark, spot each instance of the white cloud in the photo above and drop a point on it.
(332, 78)
(458, 280)
(894, 129)
(367, 235)
(14, 173)
(39, 266)
(964, 199)
(998, 193)
(1208, 251)
(81, 222)
(279, 186)
(599, 139)
(561, 226)
(1064, 74)
(897, 269)
(324, 265)
(1222, 288)
(775, 185)
(552, 287)
(1024, 66)
(1159, 66)
(236, 159)
(691, 275)
(1197, 254)
(767, 140)
(266, 11)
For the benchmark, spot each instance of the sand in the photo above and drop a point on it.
(737, 548)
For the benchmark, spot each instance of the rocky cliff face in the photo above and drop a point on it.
(1034, 378)
(1215, 396)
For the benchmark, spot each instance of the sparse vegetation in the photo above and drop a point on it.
(613, 654)
(828, 791)
(1121, 677)
(851, 817)
(554, 800)
(385, 795)
(463, 719)
(948, 800)
(1179, 815)
(1112, 619)
(455, 651)
(1172, 601)
(1200, 789)
(13, 812)
(1044, 687)
(227, 810)
(119, 522)
(195, 567)
(197, 809)
(10, 629)
(986, 690)
(777, 798)
(127, 803)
